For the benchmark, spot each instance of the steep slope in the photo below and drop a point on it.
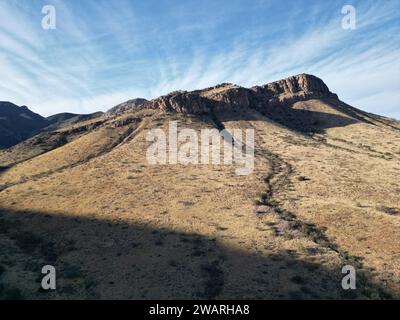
(324, 193)
(67, 147)
(51, 137)
(17, 123)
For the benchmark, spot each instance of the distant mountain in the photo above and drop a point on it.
(61, 120)
(64, 117)
(18, 123)
(61, 117)
(125, 106)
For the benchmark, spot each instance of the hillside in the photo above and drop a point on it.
(65, 119)
(324, 193)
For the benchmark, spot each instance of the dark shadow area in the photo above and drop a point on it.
(359, 114)
(299, 120)
(4, 169)
(348, 110)
(100, 259)
(306, 121)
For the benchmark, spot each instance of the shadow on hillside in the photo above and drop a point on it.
(4, 169)
(99, 259)
(299, 120)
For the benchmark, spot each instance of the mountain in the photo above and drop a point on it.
(66, 119)
(126, 106)
(61, 117)
(59, 130)
(17, 123)
(324, 193)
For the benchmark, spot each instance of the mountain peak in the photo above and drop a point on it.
(228, 96)
(302, 83)
(17, 123)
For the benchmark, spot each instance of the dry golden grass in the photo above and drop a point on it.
(116, 227)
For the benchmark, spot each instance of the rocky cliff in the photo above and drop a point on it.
(228, 97)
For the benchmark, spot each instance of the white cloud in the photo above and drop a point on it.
(365, 67)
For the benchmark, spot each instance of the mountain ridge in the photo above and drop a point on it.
(227, 96)
(18, 123)
(273, 99)
(323, 194)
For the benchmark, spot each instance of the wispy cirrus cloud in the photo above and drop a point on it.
(104, 52)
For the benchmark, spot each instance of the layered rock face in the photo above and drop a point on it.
(180, 101)
(230, 97)
(290, 90)
(305, 83)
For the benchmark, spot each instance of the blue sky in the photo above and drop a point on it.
(105, 52)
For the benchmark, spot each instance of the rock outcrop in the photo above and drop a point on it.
(230, 97)
(126, 106)
(19, 123)
(180, 101)
(287, 91)
(302, 83)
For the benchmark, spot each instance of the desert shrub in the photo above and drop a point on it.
(389, 210)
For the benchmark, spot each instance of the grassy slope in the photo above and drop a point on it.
(116, 227)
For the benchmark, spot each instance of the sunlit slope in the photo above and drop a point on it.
(315, 202)
(88, 144)
(50, 138)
